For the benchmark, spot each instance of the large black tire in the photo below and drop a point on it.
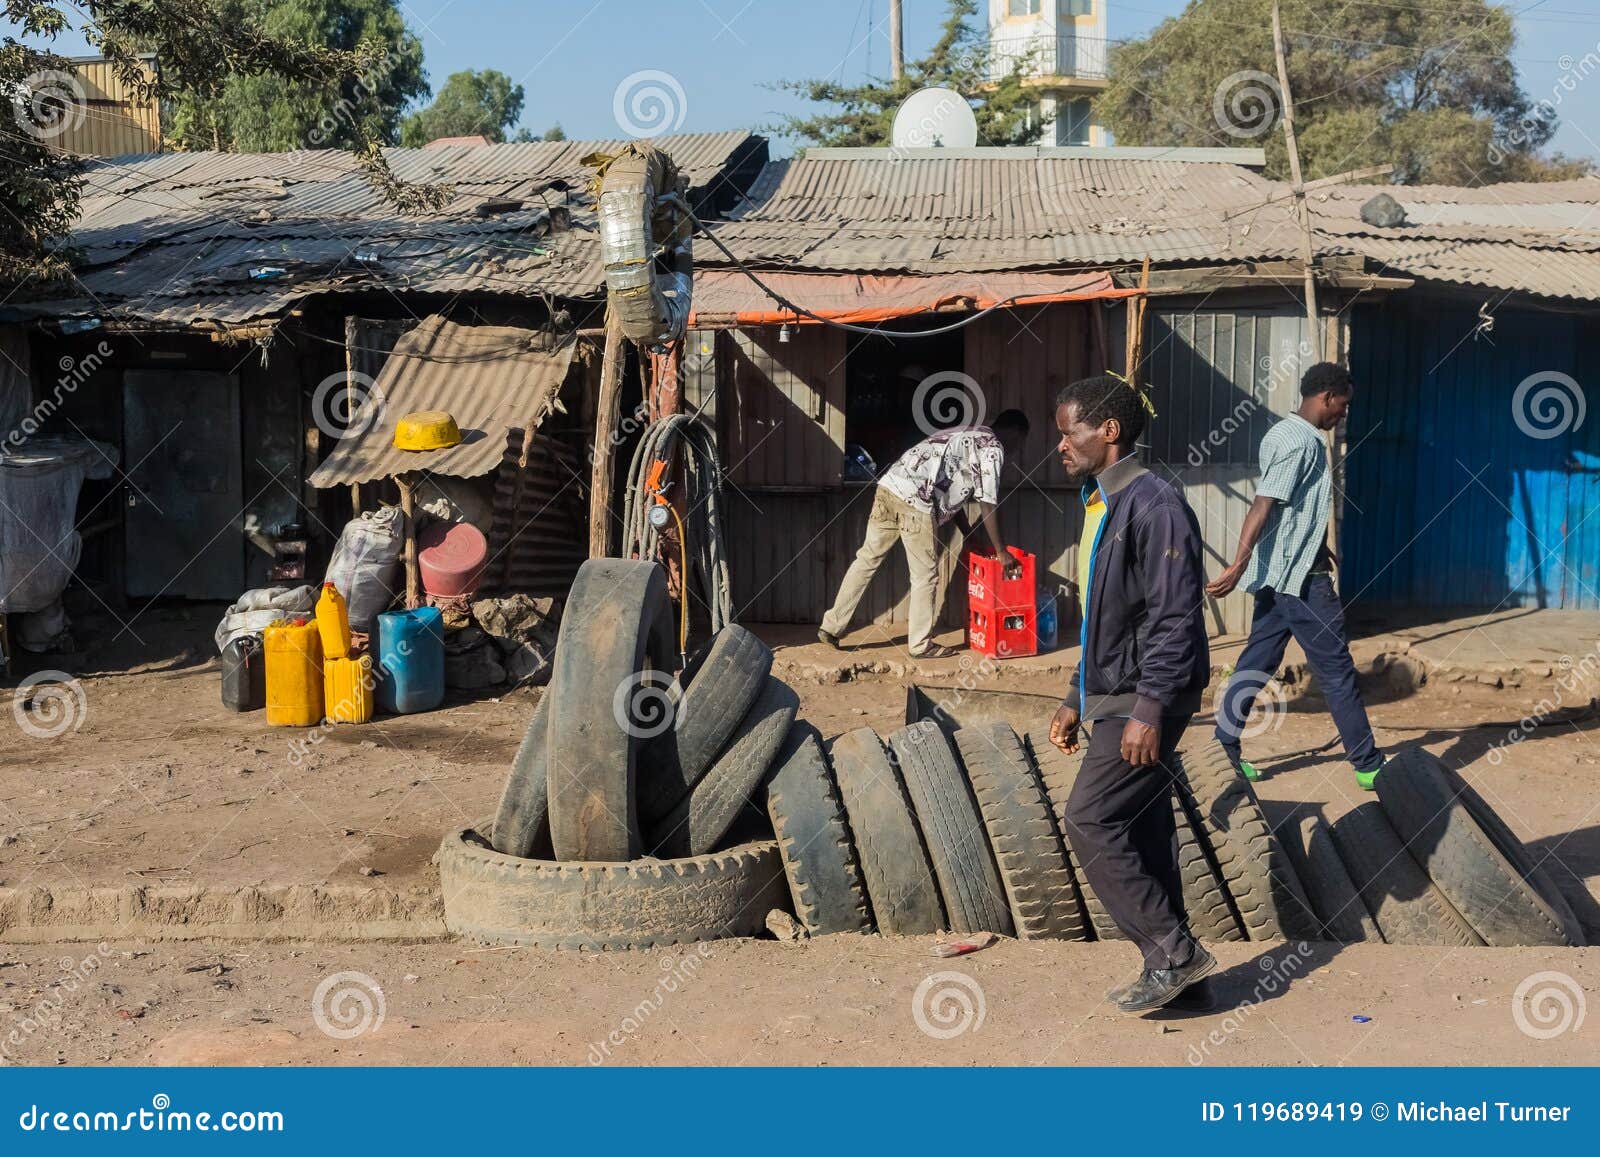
(1026, 839)
(499, 899)
(522, 824)
(894, 860)
(716, 695)
(969, 881)
(1205, 900)
(819, 856)
(618, 619)
(699, 821)
(1058, 771)
(1333, 893)
(1227, 816)
(1471, 855)
(1404, 904)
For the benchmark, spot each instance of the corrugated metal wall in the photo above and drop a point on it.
(113, 120)
(1458, 495)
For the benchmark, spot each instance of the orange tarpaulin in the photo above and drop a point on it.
(728, 297)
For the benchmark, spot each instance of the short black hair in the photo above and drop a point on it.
(1103, 397)
(1010, 420)
(1326, 378)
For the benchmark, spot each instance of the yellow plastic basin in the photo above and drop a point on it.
(426, 430)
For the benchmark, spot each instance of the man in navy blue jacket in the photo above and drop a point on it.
(1144, 664)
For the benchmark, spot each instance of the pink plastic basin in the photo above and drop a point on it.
(451, 558)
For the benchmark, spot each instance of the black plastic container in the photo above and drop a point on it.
(244, 674)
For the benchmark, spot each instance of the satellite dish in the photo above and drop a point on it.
(933, 118)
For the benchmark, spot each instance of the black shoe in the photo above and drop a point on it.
(830, 640)
(1159, 987)
(1121, 990)
(1196, 997)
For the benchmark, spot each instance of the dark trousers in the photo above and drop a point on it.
(1119, 822)
(1316, 622)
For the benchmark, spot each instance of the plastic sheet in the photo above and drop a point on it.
(258, 609)
(39, 547)
(366, 564)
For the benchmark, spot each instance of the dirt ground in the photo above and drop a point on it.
(155, 782)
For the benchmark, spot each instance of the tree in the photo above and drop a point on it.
(554, 133)
(271, 112)
(1425, 86)
(471, 103)
(863, 114)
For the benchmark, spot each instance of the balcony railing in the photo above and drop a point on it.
(1068, 56)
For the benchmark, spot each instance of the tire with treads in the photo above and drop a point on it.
(716, 694)
(1332, 893)
(617, 622)
(1404, 903)
(1225, 813)
(1205, 900)
(1026, 839)
(1058, 770)
(522, 823)
(819, 854)
(499, 899)
(700, 820)
(894, 860)
(953, 830)
(1469, 853)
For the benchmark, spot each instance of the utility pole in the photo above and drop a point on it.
(1307, 248)
(897, 42)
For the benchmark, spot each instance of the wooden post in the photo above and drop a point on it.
(351, 330)
(1307, 250)
(607, 407)
(408, 507)
(897, 42)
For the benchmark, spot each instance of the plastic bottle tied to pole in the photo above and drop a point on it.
(294, 673)
(333, 623)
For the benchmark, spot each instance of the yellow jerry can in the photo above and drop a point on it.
(347, 688)
(294, 673)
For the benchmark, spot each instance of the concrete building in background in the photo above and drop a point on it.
(1064, 44)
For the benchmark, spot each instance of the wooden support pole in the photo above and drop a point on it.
(607, 411)
(897, 41)
(1307, 245)
(408, 507)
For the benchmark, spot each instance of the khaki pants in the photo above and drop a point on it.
(892, 520)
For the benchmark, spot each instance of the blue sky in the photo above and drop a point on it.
(571, 57)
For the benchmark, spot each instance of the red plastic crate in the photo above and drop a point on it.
(989, 589)
(1003, 632)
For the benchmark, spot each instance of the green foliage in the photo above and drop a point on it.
(863, 114)
(554, 133)
(471, 103)
(1425, 86)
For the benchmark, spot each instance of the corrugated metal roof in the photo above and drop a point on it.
(496, 381)
(174, 237)
(881, 211)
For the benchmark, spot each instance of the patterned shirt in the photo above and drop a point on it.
(1294, 470)
(943, 473)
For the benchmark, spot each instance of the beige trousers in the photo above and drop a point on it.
(892, 520)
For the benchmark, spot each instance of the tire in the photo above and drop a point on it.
(819, 856)
(1028, 849)
(716, 695)
(958, 845)
(499, 899)
(1058, 771)
(1332, 892)
(1404, 903)
(700, 820)
(617, 620)
(894, 860)
(522, 823)
(1205, 900)
(1471, 855)
(1260, 881)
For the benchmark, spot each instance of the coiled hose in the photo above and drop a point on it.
(702, 483)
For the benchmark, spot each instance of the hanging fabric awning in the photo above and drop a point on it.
(729, 297)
